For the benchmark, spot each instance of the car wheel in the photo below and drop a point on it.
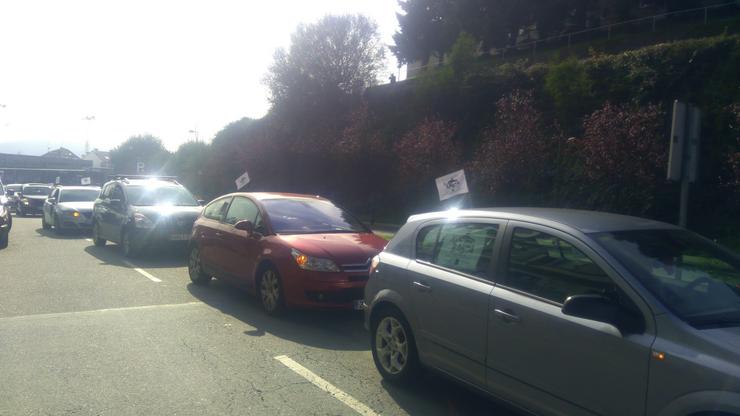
(57, 224)
(130, 249)
(393, 347)
(99, 242)
(195, 268)
(45, 225)
(270, 292)
(4, 240)
(20, 211)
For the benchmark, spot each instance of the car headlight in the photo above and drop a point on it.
(73, 213)
(24, 200)
(316, 264)
(142, 221)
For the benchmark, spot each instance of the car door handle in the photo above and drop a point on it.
(421, 287)
(505, 316)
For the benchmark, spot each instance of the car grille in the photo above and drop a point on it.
(337, 297)
(357, 267)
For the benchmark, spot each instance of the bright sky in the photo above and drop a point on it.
(159, 67)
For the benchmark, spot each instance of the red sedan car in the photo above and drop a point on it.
(293, 251)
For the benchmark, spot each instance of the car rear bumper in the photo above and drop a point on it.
(316, 290)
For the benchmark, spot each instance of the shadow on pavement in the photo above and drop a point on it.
(154, 259)
(63, 235)
(433, 391)
(335, 330)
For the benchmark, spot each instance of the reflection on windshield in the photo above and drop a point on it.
(302, 216)
(78, 195)
(36, 190)
(160, 195)
(693, 277)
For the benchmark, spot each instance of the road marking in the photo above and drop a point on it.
(142, 272)
(326, 386)
(96, 311)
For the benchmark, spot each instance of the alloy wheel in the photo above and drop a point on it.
(270, 290)
(391, 345)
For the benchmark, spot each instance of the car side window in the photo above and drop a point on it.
(241, 209)
(551, 268)
(466, 247)
(215, 210)
(55, 194)
(116, 193)
(105, 193)
(426, 242)
(259, 225)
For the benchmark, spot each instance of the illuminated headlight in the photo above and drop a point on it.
(142, 221)
(313, 263)
(73, 213)
(25, 201)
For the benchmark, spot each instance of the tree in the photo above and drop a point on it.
(427, 151)
(515, 158)
(188, 163)
(337, 56)
(145, 149)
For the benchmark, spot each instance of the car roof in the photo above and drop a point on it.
(261, 196)
(146, 182)
(37, 184)
(584, 221)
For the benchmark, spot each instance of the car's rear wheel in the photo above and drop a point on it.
(45, 225)
(130, 248)
(195, 268)
(271, 292)
(99, 242)
(393, 346)
(4, 239)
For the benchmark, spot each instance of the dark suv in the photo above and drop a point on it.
(6, 220)
(140, 213)
(31, 198)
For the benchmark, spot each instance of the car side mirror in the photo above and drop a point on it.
(594, 307)
(245, 225)
(52, 201)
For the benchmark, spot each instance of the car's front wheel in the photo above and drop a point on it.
(99, 242)
(195, 268)
(130, 248)
(45, 225)
(393, 346)
(271, 292)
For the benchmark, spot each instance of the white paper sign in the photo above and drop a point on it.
(242, 181)
(85, 181)
(58, 180)
(452, 185)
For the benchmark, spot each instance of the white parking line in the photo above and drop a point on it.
(97, 311)
(326, 386)
(142, 272)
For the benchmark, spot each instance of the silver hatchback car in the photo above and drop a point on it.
(561, 312)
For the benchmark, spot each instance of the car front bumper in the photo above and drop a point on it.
(83, 222)
(317, 290)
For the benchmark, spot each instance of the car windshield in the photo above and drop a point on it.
(160, 195)
(309, 216)
(696, 279)
(78, 195)
(36, 190)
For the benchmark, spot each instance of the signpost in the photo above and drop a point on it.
(140, 167)
(242, 181)
(452, 185)
(85, 181)
(683, 158)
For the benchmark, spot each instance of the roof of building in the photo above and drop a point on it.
(62, 152)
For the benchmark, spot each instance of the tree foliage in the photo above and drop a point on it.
(144, 148)
(427, 151)
(336, 56)
(189, 163)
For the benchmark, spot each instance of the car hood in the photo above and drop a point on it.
(342, 248)
(78, 206)
(725, 336)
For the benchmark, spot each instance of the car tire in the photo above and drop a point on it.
(4, 239)
(99, 242)
(58, 224)
(45, 225)
(195, 268)
(129, 247)
(20, 211)
(270, 291)
(394, 347)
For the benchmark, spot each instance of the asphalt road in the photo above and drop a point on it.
(84, 332)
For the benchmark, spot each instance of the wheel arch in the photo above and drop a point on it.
(704, 403)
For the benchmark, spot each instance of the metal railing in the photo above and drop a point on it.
(702, 14)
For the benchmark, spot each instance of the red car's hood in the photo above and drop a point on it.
(343, 248)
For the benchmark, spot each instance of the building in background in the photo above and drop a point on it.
(100, 159)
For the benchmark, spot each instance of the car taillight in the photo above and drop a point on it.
(374, 263)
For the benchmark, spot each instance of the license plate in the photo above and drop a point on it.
(179, 237)
(358, 305)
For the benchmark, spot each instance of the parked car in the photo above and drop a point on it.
(561, 312)
(11, 191)
(294, 251)
(31, 198)
(6, 219)
(69, 207)
(140, 213)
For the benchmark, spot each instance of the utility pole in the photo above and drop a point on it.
(683, 161)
